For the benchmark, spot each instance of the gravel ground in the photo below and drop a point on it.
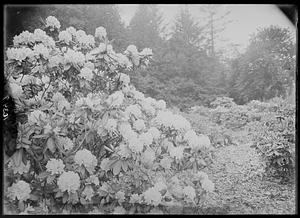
(241, 190)
(240, 187)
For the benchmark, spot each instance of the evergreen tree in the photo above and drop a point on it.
(267, 68)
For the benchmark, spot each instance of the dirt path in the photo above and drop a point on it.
(241, 190)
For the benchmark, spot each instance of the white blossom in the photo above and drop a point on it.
(86, 73)
(86, 158)
(111, 125)
(139, 125)
(207, 185)
(190, 192)
(55, 60)
(71, 30)
(55, 166)
(35, 115)
(68, 181)
(19, 54)
(124, 78)
(154, 132)
(21, 168)
(135, 144)
(52, 22)
(16, 90)
(20, 190)
(119, 210)
(146, 138)
(146, 52)
(65, 142)
(152, 196)
(65, 36)
(100, 32)
(148, 156)
(74, 57)
(115, 99)
(176, 152)
(133, 110)
(24, 38)
(132, 49)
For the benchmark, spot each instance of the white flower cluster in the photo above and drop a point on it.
(146, 138)
(132, 50)
(55, 60)
(135, 144)
(124, 78)
(148, 156)
(123, 150)
(71, 30)
(119, 210)
(21, 168)
(123, 60)
(45, 79)
(86, 73)
(27, 38)
(166, 163)
(55, 166)
(40, 49)
(176, 152)
(126, 131)
(68, 181)
(86, 158)
(35, 115)
(139, 125)
(133, 53)
(100, 32)
(207, 185)
(16, 90)
(52, 22)
(115, 99)
(65, 36)
(84, 101)
(152, 196)
(135, 198)
(83, 39)
(137, 94)
(93, 179)
(154, 132)
(65, 142)
(134, 110)
(146, 52)
(20, 190)
(19, 54)
(190, 192)
(75, 57)
(111, 125)
(176, 121)
(88, 192)
(204, 141)
(120, 196)
(147, 107)
(196, 142)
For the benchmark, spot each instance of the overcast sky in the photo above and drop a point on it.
(246, 18)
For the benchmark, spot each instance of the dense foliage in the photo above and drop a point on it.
(91, 142)
(270, 127)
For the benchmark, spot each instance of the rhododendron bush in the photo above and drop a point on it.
(274, 136)
(91, 142)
